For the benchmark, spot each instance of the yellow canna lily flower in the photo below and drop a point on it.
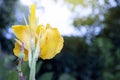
(49, 39)
(51, 43)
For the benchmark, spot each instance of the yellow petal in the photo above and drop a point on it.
(17, 50)
(22, 33)
(51, 43)
(32, 17)
(60, 45)
(40, 30)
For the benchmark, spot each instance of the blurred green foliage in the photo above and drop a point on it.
(6, 20)
(76, 2)
(79, 60)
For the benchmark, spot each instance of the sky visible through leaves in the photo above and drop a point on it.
(58, 15)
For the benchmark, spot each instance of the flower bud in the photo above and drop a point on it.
(21, 55)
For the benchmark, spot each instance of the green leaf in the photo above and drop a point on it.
(46, 76)
(66, 77)
(38, 66)
(12, 75)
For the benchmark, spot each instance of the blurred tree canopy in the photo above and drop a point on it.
(79, 60)
(105, 46)
(6, 20)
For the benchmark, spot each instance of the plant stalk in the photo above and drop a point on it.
(20, 73)
(32, 70)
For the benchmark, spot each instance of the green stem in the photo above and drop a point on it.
(20, 73)
(32, 70)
